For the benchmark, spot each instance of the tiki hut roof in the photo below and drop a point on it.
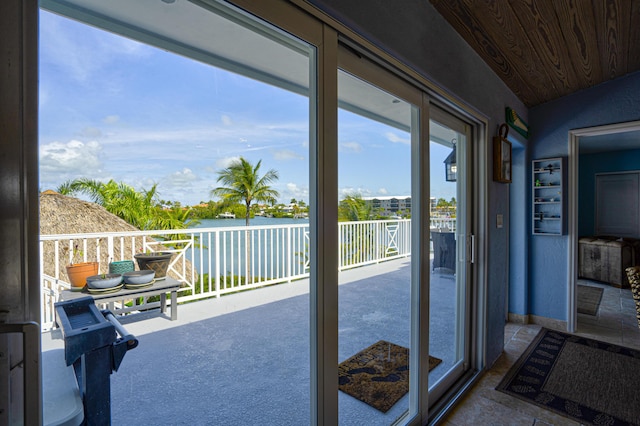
(60, 214)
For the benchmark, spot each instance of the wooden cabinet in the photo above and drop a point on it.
(548, 196)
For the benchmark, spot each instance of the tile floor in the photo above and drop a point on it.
(615, 322)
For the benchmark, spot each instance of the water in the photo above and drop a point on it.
(233, 243)
(256, 221)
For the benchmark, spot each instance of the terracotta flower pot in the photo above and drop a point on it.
(78, 273)
(158, 262)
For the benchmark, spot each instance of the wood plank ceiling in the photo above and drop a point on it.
(546, 49)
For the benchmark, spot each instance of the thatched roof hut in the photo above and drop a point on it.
(60, 214)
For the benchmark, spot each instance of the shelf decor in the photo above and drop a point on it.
(547, 203)
(502, 156)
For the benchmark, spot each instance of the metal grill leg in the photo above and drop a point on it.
(96, 386)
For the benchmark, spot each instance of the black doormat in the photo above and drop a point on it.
(589, 299)
(586, 380)
(378, 375)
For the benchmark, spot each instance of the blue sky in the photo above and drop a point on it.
(112, 108)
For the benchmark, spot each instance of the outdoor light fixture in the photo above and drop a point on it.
(450, 165)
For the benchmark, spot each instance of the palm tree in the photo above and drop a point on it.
(355, 240)
(242, 183)
(137, 208)
(353, 208)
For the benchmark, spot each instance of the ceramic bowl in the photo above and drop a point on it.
(104, 280)
(139, 277)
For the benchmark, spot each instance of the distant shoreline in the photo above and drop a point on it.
(255, 221)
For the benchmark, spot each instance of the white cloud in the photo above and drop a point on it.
(350, 147)
(182, 177)
(111, 119)
(393, 138)
(83, 51)
(383, 191)
(226, 120)
(90, 132)
(223, 163)
(294, 191)
(348, 190)
(62, 161)
(182, 185)
(287, 154)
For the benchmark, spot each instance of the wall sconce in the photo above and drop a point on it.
(450, 165)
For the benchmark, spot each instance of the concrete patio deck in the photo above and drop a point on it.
(243, 359)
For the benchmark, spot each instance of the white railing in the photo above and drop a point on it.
(211, 262)
(367, 242)
(448, 223)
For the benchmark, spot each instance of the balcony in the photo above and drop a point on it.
(244, 358)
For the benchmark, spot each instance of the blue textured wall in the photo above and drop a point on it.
(518, 233)
(601, 162)
(613, 102)
(414, 32)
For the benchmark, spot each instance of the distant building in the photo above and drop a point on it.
(394, 205)
(390, 206)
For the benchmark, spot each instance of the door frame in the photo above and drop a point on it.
(479, 189)
(572, 216)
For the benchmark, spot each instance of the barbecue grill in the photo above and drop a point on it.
(92, 346)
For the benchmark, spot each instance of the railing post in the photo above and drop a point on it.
(192, 246)
(340, 245)
(289, 249)
(111, 256)
(217, 262)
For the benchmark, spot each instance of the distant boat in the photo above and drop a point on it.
(226, 215)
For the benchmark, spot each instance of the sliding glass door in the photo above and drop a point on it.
(386, 210)
(451, 245)
(379, 221)
(363, 316)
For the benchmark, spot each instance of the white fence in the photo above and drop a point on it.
(211, 262)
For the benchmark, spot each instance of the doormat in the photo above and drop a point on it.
(589, 299)
(378, 375)
(586, 380)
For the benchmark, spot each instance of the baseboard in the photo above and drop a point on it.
(550, 323)
(518, 319)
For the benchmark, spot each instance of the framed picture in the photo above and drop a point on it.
(501, 158)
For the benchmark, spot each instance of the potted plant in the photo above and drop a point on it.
(104, 281)
(156, 261)
(78, 272)
(121, 267)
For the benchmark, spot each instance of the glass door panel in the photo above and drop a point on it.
(376, 129)
(448, 291)
(205, 100)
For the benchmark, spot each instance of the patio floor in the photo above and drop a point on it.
(244, 358)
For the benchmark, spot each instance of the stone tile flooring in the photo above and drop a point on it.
(615, 322)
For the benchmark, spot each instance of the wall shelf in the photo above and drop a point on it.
(547, 215)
